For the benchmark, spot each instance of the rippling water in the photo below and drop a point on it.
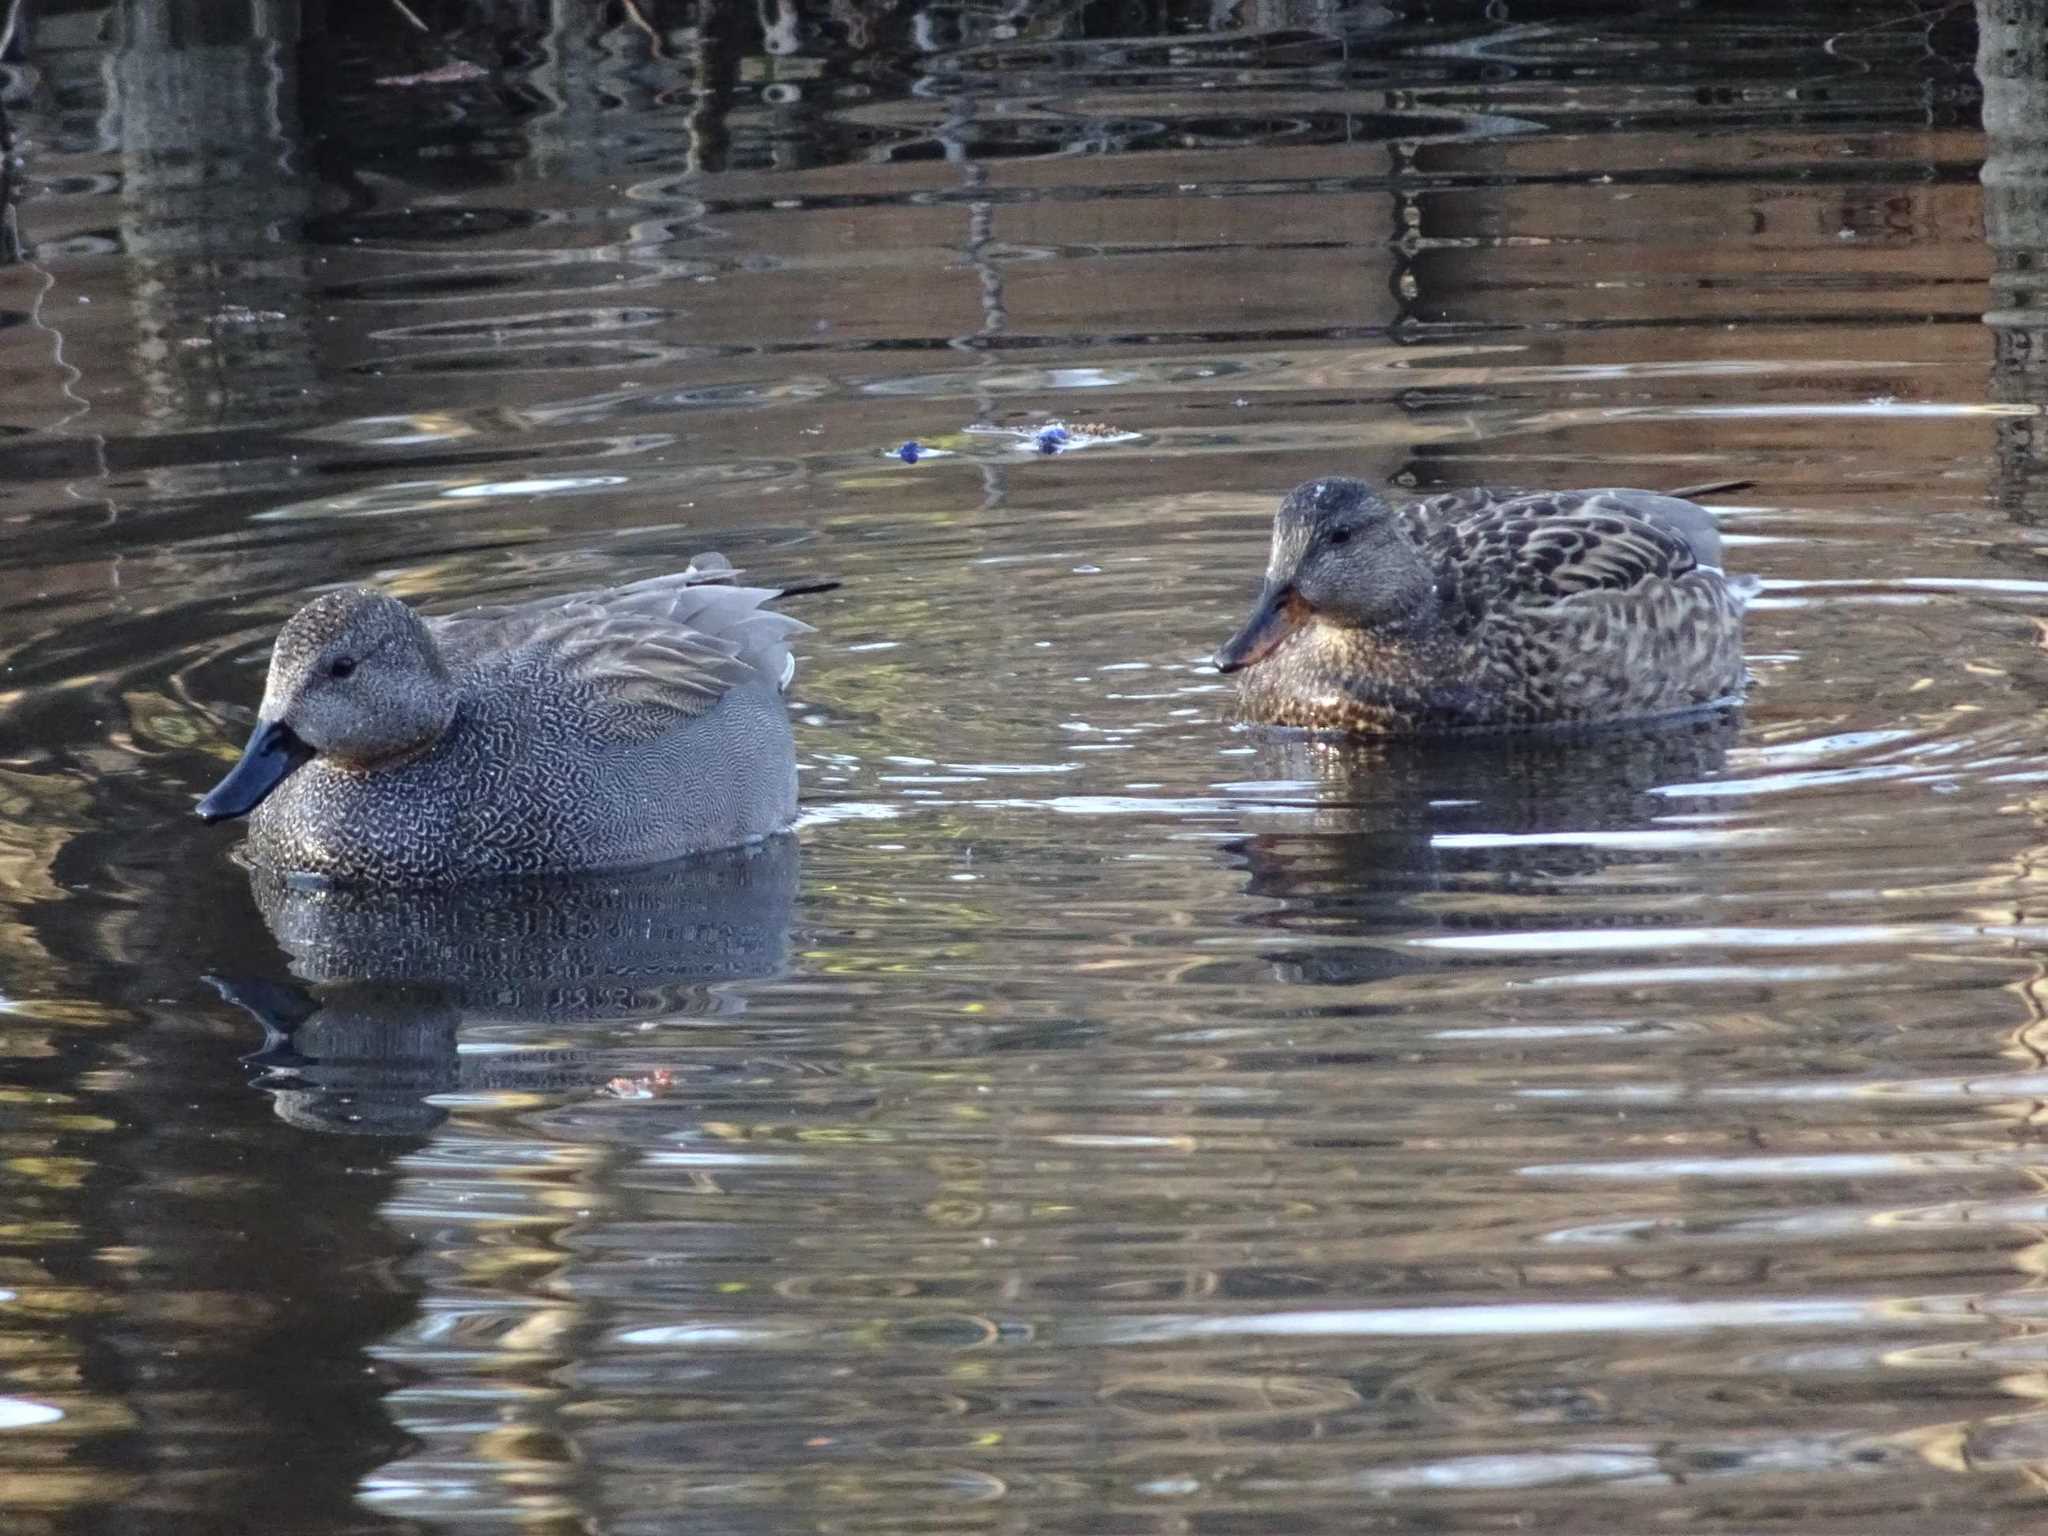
(1095, 1119)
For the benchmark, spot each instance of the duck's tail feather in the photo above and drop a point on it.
(709, 569)
(1709, 488)
(713, 569)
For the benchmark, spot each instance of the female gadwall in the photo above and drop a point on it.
(597, 730)
(1487, 610)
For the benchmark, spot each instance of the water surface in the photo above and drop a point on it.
(1094, 1119)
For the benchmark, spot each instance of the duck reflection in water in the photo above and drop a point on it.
(388, 983)
(1412, 834)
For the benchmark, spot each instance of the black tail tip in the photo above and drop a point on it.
(1711, 488)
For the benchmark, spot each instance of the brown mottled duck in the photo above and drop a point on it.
(1486, 610)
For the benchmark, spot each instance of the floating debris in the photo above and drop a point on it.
(1046, 438)
(650, 1085)
(1058, 436)
(913, 449)
(460, 72)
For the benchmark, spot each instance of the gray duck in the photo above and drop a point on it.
(1486, 610)
(597, 730)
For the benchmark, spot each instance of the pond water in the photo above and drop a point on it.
(1096, 1119)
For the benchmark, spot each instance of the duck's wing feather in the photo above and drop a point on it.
(1692, 524)
(1540, 550)
(1687, 521)
(654, 653)
(1457, 506)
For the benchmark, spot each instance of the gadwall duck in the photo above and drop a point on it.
(598, 730)
(1487, 610)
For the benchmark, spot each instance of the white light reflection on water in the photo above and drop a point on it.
(1664, 1316)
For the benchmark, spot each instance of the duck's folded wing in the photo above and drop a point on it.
(645, 676)
(1540, 557)
(652, 653)
(1687, 521)
(1466, 501)
(501, 627)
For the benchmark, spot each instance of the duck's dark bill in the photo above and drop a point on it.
(1279, 614)
(273, 752)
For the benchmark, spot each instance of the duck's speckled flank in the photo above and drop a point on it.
(1550, 608)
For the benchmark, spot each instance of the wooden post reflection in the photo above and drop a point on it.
(2012, 63)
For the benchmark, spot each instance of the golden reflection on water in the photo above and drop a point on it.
(1103, 1119)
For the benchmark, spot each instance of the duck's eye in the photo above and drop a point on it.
(1340, 535)
(341, 666)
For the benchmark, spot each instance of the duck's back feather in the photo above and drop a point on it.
(1540, 552)
(655, 654)
(1689, 523)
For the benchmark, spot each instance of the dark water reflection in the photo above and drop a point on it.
(1094, 1119)
(425, 994)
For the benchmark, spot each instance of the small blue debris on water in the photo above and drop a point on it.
(914, 450)
(1054, 436)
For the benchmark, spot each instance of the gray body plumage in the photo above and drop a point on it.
(1488, 610)
(600, 730)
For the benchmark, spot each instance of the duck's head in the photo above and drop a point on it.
(355, 677)
(1340, 556)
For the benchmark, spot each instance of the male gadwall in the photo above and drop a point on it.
(1487, 610)
(593, 731)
